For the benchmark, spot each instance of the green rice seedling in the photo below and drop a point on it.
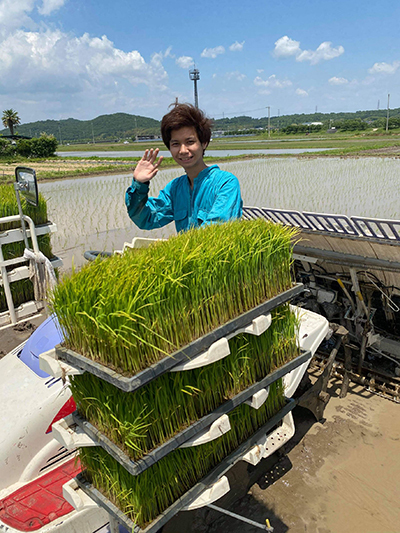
(9, 206)
(22, 290)
(142, 420)
(145, 496)
(132, 310)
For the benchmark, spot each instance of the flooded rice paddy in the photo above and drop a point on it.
(210, 153)
(90, 213)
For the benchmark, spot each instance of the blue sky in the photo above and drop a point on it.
(81, 59)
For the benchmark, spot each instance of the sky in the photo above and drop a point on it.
(81, 59)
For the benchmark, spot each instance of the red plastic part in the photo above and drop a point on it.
(68, 408)
(39, 502)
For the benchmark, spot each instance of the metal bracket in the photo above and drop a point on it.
(316, 397)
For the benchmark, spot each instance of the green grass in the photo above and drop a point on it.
(145, 496)
(360, 147)
(22, 290)
(142, 420)
(339, 140)
(130, 311)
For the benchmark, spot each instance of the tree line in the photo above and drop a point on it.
(123, 126)
(42, 146)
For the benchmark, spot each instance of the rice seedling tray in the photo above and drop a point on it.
(185, 500)
(188, 352)
(137, 467)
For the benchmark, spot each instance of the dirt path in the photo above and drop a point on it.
(12, 336)
(341, 476)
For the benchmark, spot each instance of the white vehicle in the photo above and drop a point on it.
(34, 466)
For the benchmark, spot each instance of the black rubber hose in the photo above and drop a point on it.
(91, 255)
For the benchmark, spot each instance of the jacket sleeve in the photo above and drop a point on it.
(149, 212)
(228, 202)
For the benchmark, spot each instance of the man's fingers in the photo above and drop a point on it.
(153, 155)
(159, 161)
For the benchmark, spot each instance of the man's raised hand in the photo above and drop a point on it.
(147, 167)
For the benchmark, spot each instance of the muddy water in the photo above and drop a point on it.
(90, 212)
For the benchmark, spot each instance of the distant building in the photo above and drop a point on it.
(145, 137)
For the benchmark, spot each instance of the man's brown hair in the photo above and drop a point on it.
(186, 115)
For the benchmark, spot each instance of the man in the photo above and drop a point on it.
(203, 195)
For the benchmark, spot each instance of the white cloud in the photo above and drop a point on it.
(185, 62)
(338, 81)
(324, 52)
(236, 46)
(213, 52)
(260, 70)
(301, 92)
(49, 6)
(286, 47)
(14, 14)
(386, 68)
(236, 75)
(272, 82)
(167, 53)
(54, 61)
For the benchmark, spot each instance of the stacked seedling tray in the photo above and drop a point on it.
(169, 344)
(12, 244)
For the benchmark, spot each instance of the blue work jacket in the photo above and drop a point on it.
(215, 197)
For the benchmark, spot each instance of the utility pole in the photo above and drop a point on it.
(194, 75)
(59, 129)
(378, 104)
(269, 121)
(387, 115)
(92, 132)
(278, 117)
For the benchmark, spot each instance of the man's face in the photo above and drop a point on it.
(186, 149)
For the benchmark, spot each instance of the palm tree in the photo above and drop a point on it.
(10, 119)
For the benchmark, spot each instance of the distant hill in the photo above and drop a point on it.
(121, 126)
(103, 128)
